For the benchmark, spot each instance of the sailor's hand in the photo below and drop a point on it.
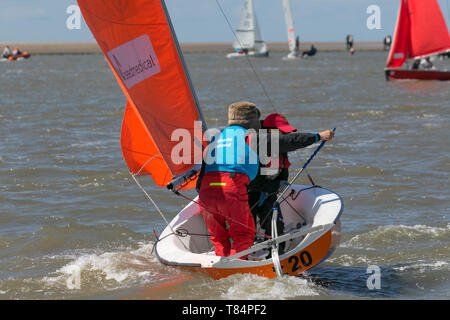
(326, 135)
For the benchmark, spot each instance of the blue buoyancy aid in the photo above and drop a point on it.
(230, 152)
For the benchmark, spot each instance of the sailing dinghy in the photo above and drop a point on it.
(248, 39)
(17, 57)
(139, 43)
(312, 233)
(293, 40)
(421, 33)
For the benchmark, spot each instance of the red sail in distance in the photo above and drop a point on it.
(421, 31)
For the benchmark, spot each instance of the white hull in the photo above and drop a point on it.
(17, 59)
(293, 56)
(250, 54)
(310, 215)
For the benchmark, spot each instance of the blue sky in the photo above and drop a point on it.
(202, 21)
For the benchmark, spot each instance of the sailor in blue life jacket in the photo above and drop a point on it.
(227, 170)
(263, 190)
(312, 51)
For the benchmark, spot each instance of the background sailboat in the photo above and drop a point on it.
(248, 38)
(293, 40)
(420, 33)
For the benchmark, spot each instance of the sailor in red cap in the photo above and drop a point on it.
(264, 188)
(277, 121)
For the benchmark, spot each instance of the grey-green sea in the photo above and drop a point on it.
(69, 208)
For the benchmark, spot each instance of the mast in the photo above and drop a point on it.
(186, 71)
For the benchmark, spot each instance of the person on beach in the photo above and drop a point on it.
(387, 41)
(227, 170)
(264, 188)
(349, 42)
(6, 52)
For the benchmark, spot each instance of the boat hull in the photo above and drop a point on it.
(191, 252)
(293, 265)
(293, 56)
(22, 56)
(250, 54)
(401, 74)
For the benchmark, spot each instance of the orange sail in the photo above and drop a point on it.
(421, 31)
(140, 45)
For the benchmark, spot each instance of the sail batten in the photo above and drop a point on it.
(140, 46)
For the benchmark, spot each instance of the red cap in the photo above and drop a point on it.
(276, 120)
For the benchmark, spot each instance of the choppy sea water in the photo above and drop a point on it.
(68, 205)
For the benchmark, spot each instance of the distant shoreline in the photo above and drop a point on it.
(186, 47)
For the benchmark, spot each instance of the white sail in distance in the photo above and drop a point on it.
(248, 35)
(260, 45)
(290, 26)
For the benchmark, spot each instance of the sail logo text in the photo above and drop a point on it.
(135, 61)
(136, 69)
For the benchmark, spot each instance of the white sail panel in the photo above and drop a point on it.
(245, 34)
(289, 25)
(260, 45)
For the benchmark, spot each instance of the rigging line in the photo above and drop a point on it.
(133, 175)
(151, 199)
(142, 168)
(247, 57)
(157, 208)
(300, 172)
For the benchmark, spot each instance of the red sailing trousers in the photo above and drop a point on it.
(223, 200)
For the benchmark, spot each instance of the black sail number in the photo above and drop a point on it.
(304, 259)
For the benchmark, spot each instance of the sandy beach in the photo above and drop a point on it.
(93, 48)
